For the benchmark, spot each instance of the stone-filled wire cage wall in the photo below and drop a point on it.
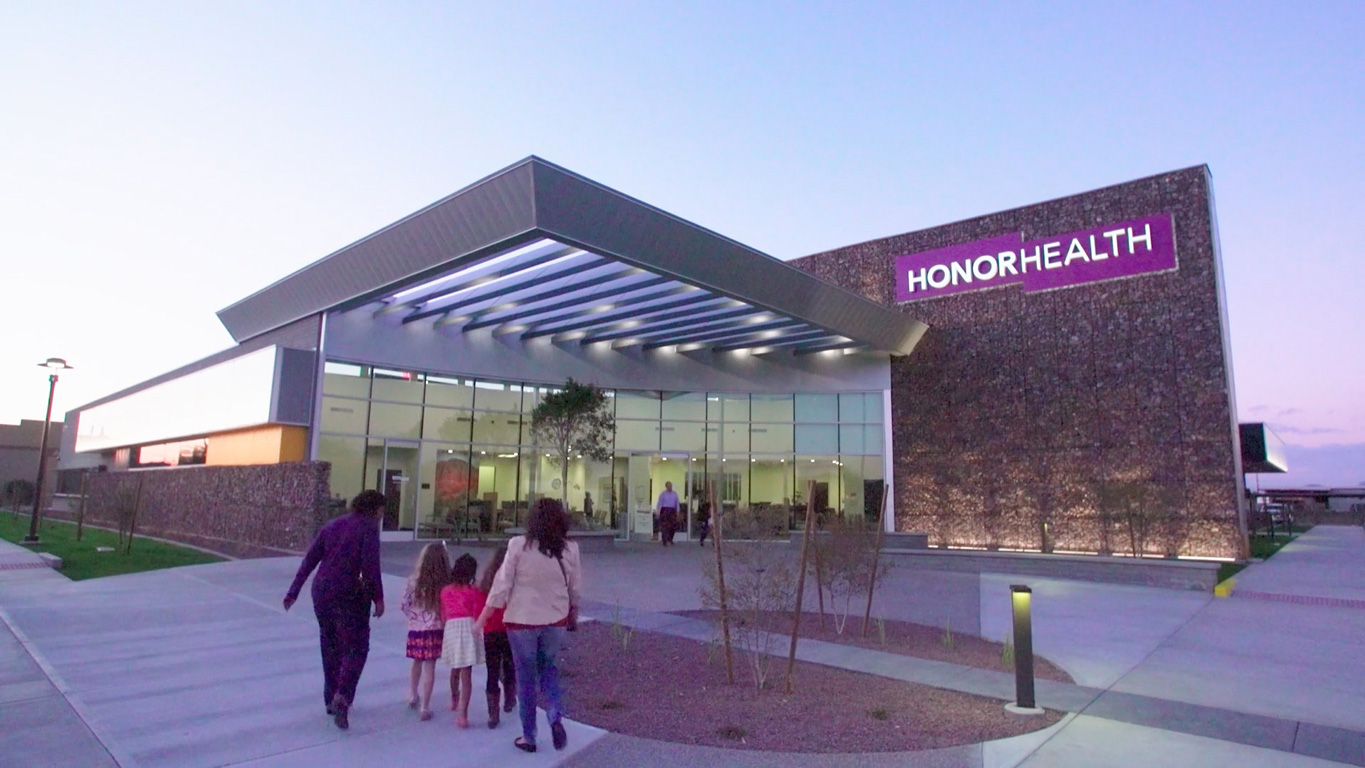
(1097, 418)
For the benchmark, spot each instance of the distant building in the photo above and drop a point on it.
(19, 446)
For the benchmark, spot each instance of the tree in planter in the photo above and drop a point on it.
(18, 493)
(851, 567)
(760, 585)
(574, 421)
(1142, 509)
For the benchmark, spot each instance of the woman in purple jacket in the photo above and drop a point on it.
(346, 555)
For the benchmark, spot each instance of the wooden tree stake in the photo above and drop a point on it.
(876, 559)
(719, 537)
(80, 510)
(801, 579)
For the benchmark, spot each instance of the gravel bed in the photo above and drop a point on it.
(669, 688)
(906, 639)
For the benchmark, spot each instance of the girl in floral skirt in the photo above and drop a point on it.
(422, 607)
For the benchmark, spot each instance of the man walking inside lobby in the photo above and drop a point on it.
(668, 515)
(346, 554)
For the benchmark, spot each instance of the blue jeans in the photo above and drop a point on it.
(533, 653)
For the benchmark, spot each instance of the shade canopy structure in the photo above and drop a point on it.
(537, 251)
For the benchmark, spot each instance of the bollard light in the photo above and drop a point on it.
(1021, 598)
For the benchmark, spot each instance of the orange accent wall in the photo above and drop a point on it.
(270, 444)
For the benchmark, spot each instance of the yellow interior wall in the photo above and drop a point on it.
(270, 444)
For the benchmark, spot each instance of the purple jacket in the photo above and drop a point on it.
(346, 553)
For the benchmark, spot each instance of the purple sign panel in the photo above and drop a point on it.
(1128, 248)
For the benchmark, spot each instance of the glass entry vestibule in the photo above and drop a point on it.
(456, 458)
(647, 476)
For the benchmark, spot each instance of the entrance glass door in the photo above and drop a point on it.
(393, 472)
(647, 474)
(674, 468)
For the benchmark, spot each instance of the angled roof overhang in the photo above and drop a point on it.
(538, 251)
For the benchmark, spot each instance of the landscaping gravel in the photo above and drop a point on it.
(906, 639)
(672, 689)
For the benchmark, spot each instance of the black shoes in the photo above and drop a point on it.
(561, 738)
(338, 711)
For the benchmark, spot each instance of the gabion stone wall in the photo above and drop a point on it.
(241, 510)
(1019, 412)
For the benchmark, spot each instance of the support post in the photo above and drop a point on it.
(32, 537)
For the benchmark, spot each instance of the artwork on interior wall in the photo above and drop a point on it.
(454, 485)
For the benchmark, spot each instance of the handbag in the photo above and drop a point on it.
(571, 621)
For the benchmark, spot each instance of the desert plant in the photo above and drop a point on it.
(732, 732)
(760, 582)
(880, 713)
(881, 630)
(1007, 652)
(851, 567)
(1140, 508)
(948, 634)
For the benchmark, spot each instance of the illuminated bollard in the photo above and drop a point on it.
(1020, 601)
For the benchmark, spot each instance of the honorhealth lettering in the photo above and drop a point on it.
(1124, 249)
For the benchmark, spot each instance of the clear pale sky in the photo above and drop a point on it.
(160, 161)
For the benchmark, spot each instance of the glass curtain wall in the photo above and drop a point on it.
(456, 457)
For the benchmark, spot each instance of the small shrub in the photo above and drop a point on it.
(880, 713)
(760, 586)
(948, 635)
(1007, 653)
(732, 732)
(611, 704)
(881, 630)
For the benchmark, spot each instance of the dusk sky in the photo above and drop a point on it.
(160, 161)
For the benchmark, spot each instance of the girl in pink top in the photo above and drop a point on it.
(462, 644)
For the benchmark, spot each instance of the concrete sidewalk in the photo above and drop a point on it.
(38, 723)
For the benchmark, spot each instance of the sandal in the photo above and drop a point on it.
(425, 716)
(524, 745)
(561, 739)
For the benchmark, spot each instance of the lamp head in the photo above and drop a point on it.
(55, 364)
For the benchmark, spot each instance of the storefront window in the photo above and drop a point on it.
(393, 420)
(455, 453)
(397, 386)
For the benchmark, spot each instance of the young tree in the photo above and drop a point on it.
(574, 421)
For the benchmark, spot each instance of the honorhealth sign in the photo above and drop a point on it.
(1124, 249)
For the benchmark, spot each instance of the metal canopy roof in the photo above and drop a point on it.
(537, 251)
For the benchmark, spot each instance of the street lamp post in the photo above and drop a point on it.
(53, 364)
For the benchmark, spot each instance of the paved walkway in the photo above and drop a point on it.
(200, 667)
(39, 724)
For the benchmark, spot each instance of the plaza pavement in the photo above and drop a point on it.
(200, 666)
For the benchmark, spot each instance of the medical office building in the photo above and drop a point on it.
(992, 375)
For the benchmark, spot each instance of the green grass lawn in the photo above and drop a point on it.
(81, 561)
(1262, 547)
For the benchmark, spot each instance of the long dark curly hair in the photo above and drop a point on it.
(547, 527)
(431, 576)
